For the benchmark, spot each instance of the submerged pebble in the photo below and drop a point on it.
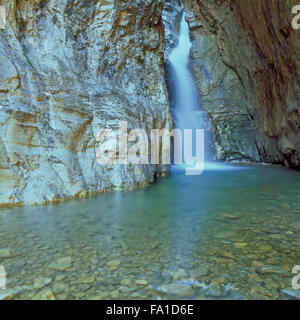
(5, 253)
(61, 264)
(185, 247)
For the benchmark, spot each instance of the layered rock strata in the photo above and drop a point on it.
(245, 58)
(68, 69)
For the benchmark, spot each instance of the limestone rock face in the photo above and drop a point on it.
(68, 69)
(172, 13)
(245, 59)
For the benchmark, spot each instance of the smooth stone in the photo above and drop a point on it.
(19, 265)
(60, 277)
(7, 294)
(177, 289)
(229, 216)
(88, 280)
(80, 295)
(273, 231)
(60, 287)
(265, 248)
(179, 274)
(289, 232)
(114, 264)
(228, 255)
(44, 295)
(199, 272)
(41, 283)
(270, 269)
(272, 261)
(61, 264)
(295, 225)
(257, 264)
(115, 294)
(5, 253)
(215, 293)
(292, 293)
(62, 296)
(141, 282)
(240, 245)
(126, 282)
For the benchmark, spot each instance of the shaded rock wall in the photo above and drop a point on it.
(67, 69)
(245, 59)
(172, 14)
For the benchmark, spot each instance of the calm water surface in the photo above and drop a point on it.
(227, 234)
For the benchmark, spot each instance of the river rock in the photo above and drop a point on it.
(179, 274)
(114, 264)
(295, 225)
(291, 293)
(240, 245)
(41, 283)
(5, 253)
(270, 269)
(179, 290)
(62, 264)
(199, 272)
(7, 294)
(141, 282)
(89, 279)
(44, 295)
(214, 292)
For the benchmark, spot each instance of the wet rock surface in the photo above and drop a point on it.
(67, 70)
(172, 13)
(245, 59)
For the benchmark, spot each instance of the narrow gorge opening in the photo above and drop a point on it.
(186, 108)
(184, 97)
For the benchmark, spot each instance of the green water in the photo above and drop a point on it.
(227, 234)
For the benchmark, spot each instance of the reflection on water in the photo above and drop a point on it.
(225, 234)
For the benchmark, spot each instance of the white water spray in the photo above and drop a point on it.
(187, 113)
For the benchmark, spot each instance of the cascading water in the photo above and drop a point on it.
(186, 111)
(186, 107)
(186, 97)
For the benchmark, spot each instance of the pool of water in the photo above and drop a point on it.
(227, 234)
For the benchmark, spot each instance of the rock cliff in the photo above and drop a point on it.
(245, 59)
(172, 13)
(68, 69)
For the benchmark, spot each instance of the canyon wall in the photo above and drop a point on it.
(172, 14)
(68, 69)
(245, 58)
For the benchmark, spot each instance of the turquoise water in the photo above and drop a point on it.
(227, 234)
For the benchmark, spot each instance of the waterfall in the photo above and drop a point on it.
(186, 96)
(186, 109)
